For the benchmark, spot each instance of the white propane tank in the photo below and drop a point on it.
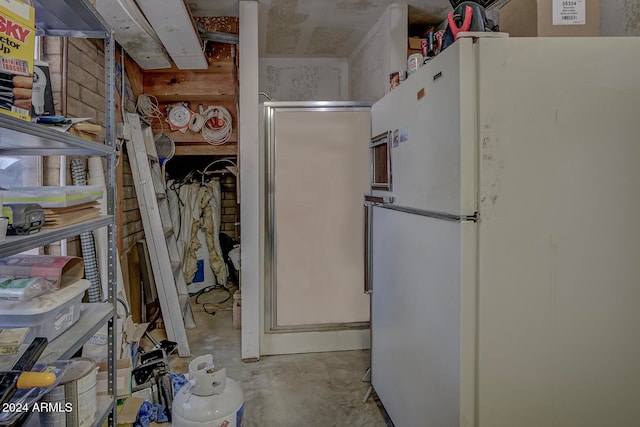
(210, 399)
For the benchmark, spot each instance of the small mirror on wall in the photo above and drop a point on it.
(381, 162)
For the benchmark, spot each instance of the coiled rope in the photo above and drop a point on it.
(214, 124)
(149, 108)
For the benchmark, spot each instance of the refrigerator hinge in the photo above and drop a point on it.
(473, 218)
(378, 200)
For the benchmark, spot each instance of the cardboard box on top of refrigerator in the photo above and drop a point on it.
(17, 46)
(550, 18)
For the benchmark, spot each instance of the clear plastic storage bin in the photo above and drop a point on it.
(48, 315)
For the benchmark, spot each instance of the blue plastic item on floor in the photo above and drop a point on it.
(178, 380)
(150, 412)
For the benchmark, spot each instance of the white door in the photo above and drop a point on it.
(317, 172)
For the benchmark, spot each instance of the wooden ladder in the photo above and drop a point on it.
(166, 263)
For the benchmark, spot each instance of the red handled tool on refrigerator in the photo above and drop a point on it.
(467, 15)
(466, 22)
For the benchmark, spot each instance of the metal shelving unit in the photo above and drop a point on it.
(73, 18)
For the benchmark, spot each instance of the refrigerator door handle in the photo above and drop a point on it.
(369, 202)
(368, 222)
(432, 214)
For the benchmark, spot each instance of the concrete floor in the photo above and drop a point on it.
(314, 389)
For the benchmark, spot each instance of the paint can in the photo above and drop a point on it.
(73, 401)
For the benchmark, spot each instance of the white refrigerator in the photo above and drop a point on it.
(505, 274)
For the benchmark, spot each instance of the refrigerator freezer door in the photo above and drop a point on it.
(423, 318)
(431, 116)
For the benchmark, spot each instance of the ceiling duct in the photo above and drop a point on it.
(220, 37)
(216, 36)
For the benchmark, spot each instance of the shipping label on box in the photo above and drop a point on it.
(569, 12)
(17, 46)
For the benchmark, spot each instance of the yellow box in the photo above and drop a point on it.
(17, 46)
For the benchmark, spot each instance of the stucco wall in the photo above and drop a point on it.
(381, 52)
(367, 72)
(304, 79)
(620, 17)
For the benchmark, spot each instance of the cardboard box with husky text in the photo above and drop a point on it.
(17, 45)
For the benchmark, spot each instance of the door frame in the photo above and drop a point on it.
(270, 329)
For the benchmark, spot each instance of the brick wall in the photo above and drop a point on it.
(86, 98)
(85, 89)
(230, 210)
(85, 69)
(85, 85)
(132, 228)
